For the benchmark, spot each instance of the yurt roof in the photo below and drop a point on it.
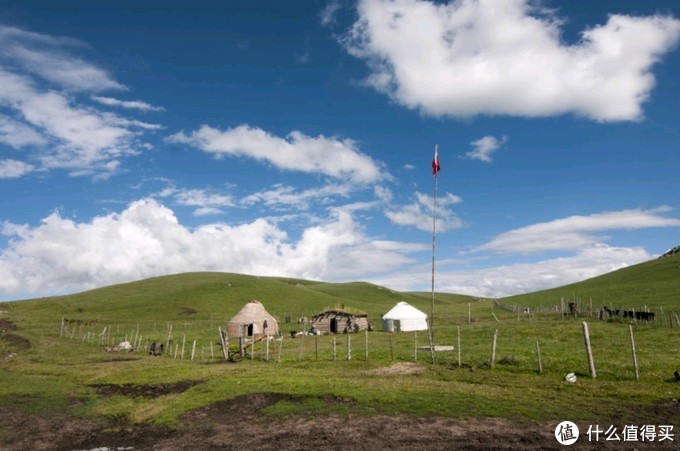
(404, 310)
(252, 312)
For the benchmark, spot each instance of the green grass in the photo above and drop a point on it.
(58, 373)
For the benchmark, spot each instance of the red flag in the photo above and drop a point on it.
(435, 162)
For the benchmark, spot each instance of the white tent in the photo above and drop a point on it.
(404, 318)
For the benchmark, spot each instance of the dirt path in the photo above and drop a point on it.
(238, 424)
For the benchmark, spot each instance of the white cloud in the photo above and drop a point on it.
(208, 203)
(48, 57)
(575, 232)
(507, 280)
(472, 57)
(287, 196)
(146, 239)
(419, 213)
(484, 147)
(17, 134)
(38, 79)
(128, 104)
(329, 12)
(11, 169)
(337, 158)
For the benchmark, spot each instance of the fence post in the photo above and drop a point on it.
(589, 351)
(493, 349)
(335, 348)
(349, 347)
(280, 349)
(540, 362)
(632, 347)
(391, 348)
(366, 345)
(225, 346)
(459, 362)
(415, 346)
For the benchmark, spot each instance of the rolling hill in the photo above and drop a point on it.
(655, 284)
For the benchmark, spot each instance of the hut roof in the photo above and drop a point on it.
(339, 312)
(252, 313)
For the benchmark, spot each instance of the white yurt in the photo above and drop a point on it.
(404, 317)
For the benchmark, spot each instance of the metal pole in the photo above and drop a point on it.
(434, 235)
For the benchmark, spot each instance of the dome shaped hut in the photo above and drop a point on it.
(252, 320)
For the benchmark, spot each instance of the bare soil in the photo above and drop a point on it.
(240, 424)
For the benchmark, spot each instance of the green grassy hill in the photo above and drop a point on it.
(654, 284)
(218, 296)
(45, 372)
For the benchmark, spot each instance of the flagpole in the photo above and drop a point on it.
(435, 173)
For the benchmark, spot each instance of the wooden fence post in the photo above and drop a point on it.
(349, 347)
(391, 348)
(493, 349)
(459, 361)
(366, 355)
(632, 347)
(415, 346)
(266, 359)
(589, 351)
(280, 348)
(225, 346)
(540, 362)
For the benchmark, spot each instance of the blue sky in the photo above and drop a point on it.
(296, 139)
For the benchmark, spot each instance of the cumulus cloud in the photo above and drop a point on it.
(146, 239)
(483, 148)
(482, 57)
(11, 169)
(576, 232)
(419, 213)
(39, 75)
(336, 158)
(17, 134)
(507, 280)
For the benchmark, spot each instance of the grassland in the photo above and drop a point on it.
(47, 373)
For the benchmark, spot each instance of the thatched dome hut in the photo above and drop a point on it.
(252, 320)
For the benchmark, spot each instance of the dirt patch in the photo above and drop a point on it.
(14, 342)
(144, 391)
(239, 424)
(6, 324)
(398, 369)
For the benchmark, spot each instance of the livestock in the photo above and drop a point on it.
(156, 348)
(629, 314)
(124, 346)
